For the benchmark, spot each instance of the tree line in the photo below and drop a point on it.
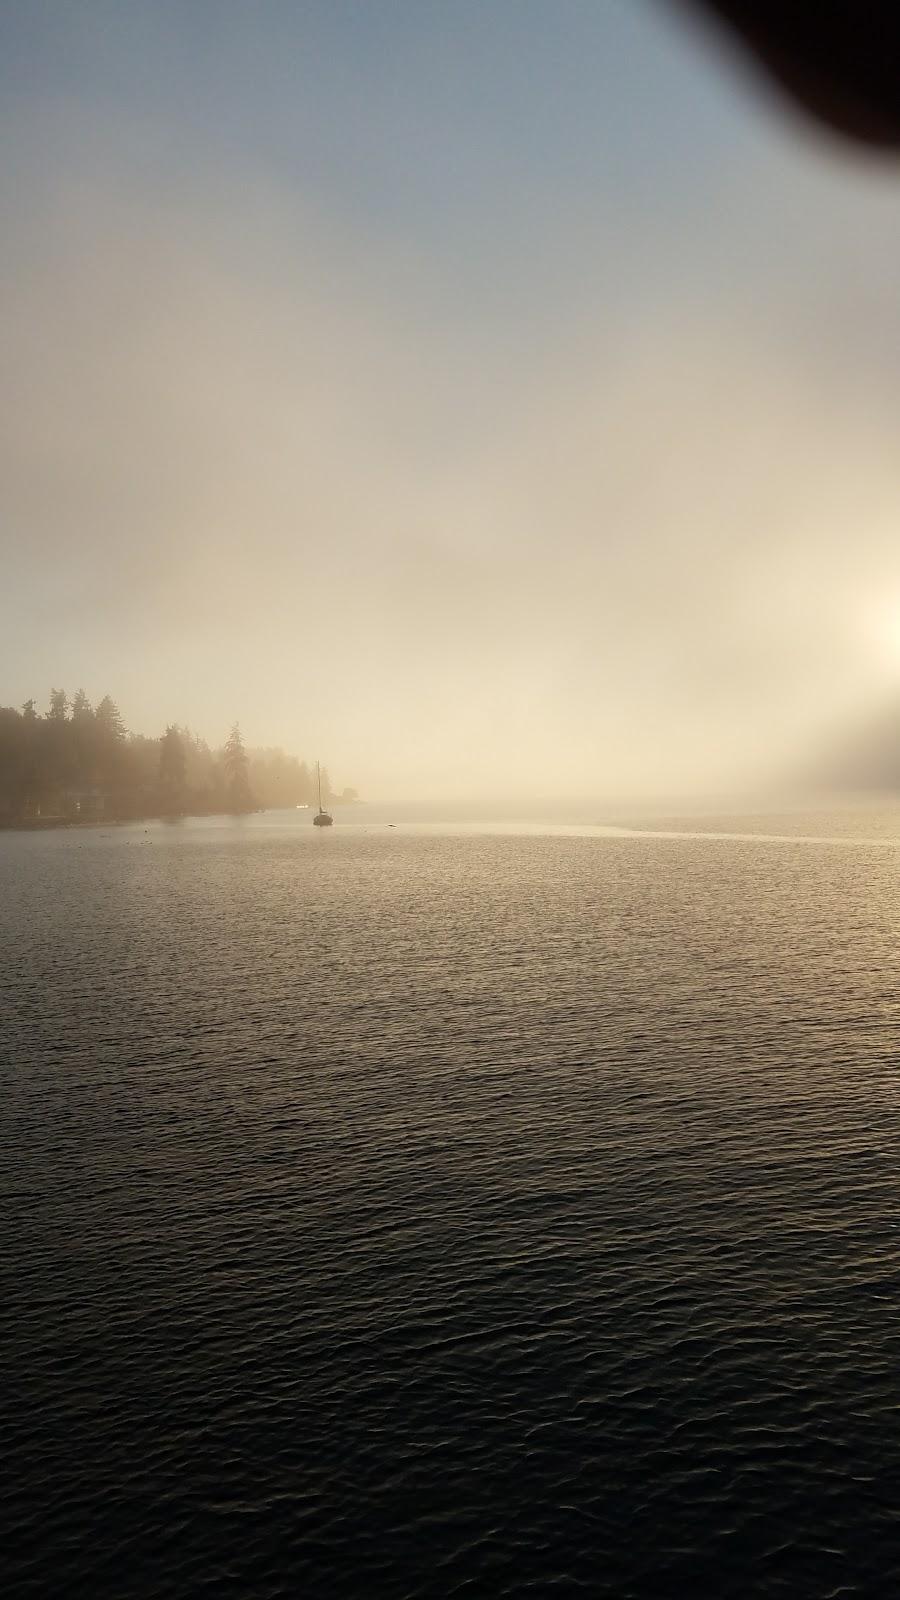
(78, 762)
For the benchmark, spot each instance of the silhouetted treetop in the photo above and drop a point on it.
(108, 718)
(238, 769)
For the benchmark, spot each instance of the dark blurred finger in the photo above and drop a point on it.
(840, 59)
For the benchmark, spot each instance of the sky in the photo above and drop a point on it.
(490, 399)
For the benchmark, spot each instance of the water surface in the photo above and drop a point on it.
(452, 1210)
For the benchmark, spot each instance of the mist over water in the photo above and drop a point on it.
(544, 449)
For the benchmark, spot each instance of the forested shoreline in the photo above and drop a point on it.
(79, 763)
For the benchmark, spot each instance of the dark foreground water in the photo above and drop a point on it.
(428, 1213)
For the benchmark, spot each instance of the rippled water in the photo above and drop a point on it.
(431, 1212)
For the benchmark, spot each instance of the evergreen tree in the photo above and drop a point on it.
(31, 761)
(57, 766)
(109, 721)
(84, 753)
(172, 772)
(13, 765)
(81, 706)
(237, 772)
(108, 755)
(59, 705)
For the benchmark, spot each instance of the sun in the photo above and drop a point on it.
(882, 628)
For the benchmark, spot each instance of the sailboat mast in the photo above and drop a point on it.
(322, 819)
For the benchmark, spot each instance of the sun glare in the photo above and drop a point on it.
(883, 630)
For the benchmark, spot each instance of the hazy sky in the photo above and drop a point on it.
(485, 395)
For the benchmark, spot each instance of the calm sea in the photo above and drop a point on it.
(434, 1211)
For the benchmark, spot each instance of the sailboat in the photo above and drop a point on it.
(322, 819)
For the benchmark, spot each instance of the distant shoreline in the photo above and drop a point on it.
(43, 824)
